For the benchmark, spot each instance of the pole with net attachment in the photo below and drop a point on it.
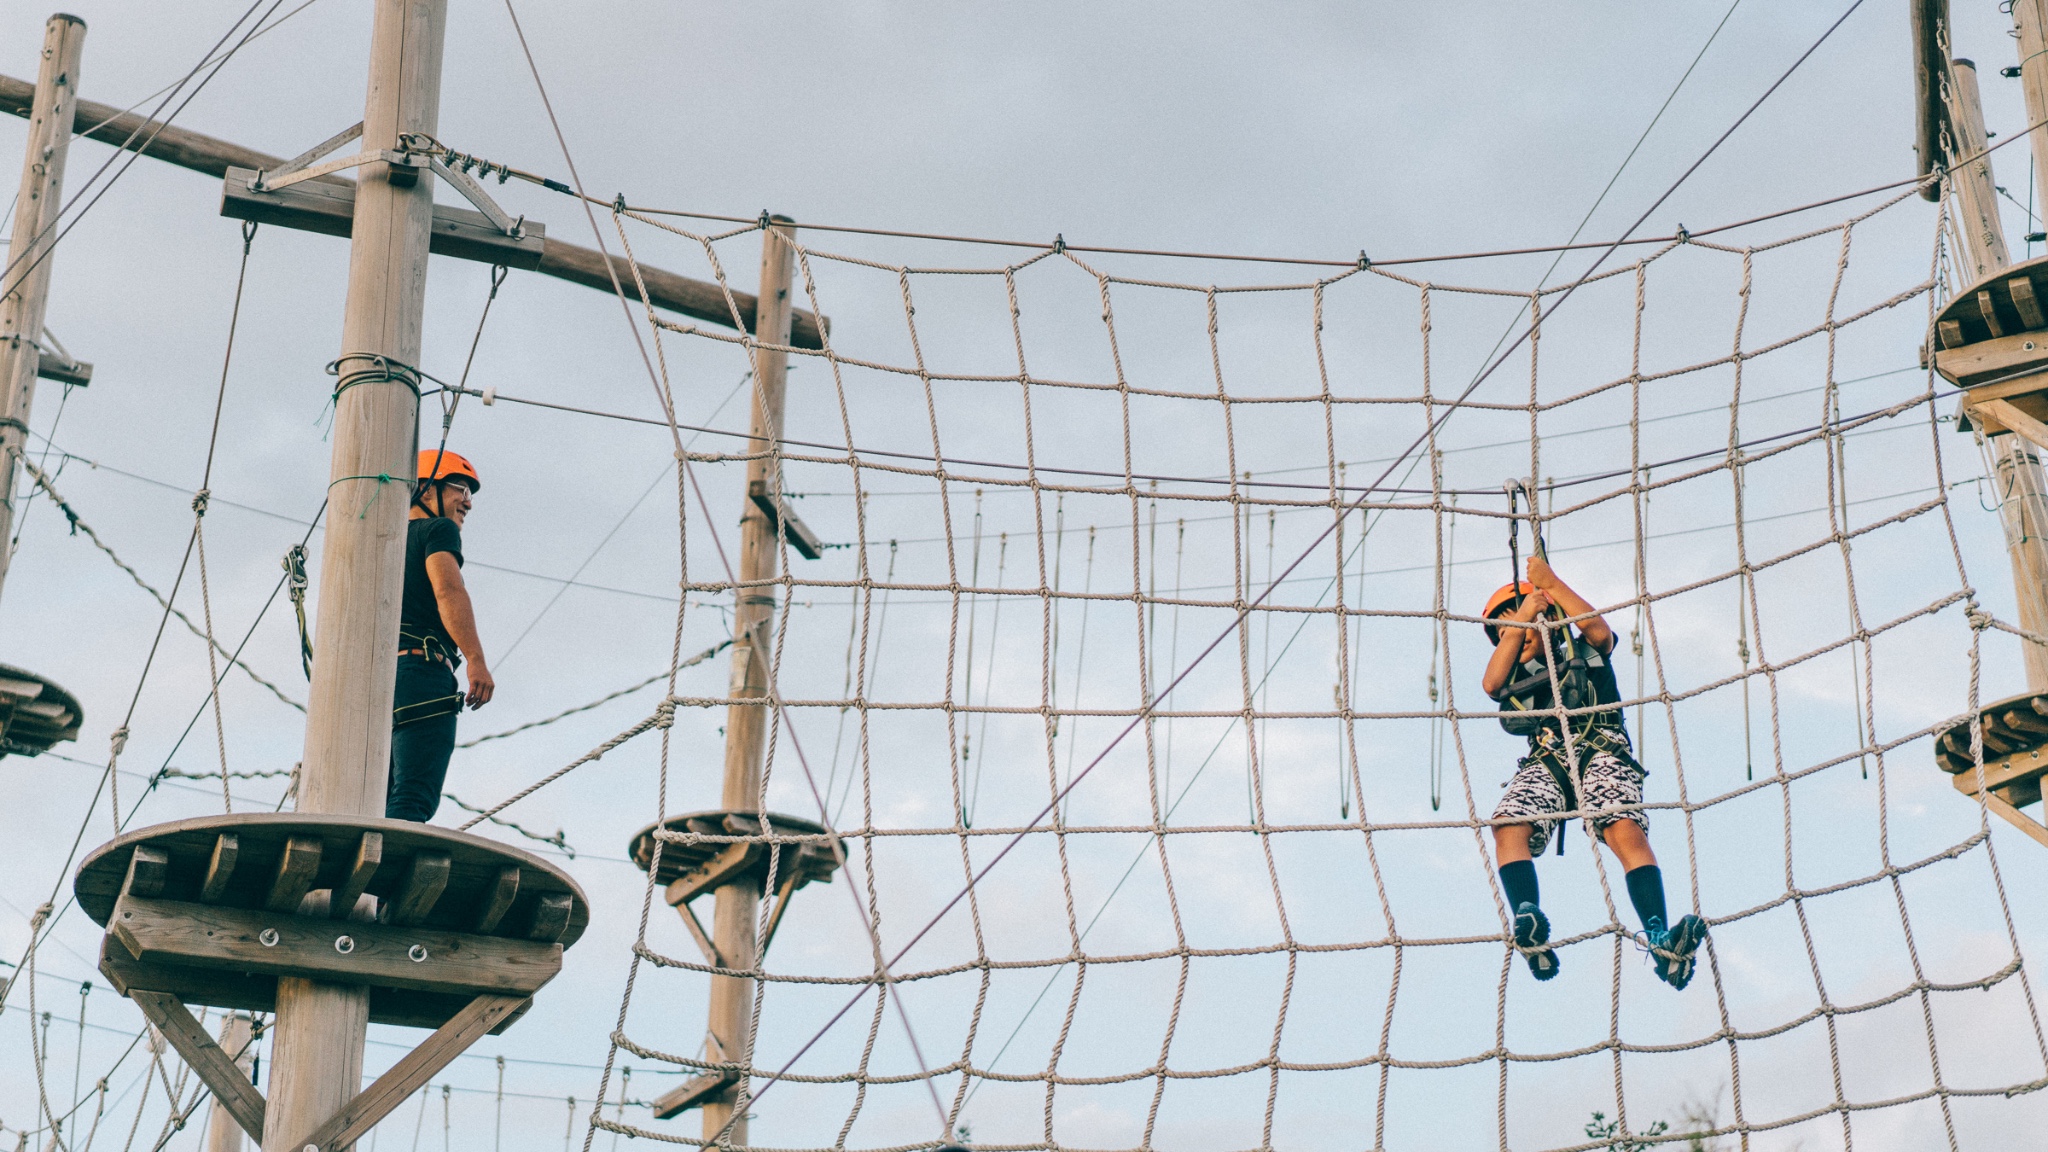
(740, 853)
(1991, 339)
(34, 713)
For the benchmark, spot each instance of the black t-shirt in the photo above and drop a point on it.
(419, 616)
(1599, 675)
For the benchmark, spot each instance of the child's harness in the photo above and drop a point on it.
(1527, 706)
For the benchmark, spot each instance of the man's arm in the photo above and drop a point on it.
(451, 595)
(1593, 628)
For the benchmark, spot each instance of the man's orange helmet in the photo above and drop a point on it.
(1505, 599)
(440, 464)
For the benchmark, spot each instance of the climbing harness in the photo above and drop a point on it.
(1560, 677)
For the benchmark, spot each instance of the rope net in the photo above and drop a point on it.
(1149, 721)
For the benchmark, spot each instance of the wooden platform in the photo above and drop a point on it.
(2015, 734)
(690, 869)
(34, 713)
(214, 910)
(739, 849)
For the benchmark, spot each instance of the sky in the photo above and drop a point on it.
(1298, 130)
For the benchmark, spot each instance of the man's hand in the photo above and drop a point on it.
(1540, 574)
(481, 685)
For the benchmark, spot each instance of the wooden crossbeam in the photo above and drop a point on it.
(704, 944)
(296, 867)
(697, 299)
(243, 1102)
(424, 884)
(205, 1057)
(220, 868)
(504, 891)
(2003, 413)
(2016, 818)
(147, 869)
(379, 955)
(731, 860)
(693, 1093)
(412, 1072)
(369, 855)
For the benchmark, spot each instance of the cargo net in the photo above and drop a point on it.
(1139, 680)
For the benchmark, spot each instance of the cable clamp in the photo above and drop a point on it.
(382, 369)
(1059, 243)
(1682, 235)
(1364, 261)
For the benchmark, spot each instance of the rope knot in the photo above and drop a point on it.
(665, 713)
(42, 914)
(200, 499)
(1978, 618)
(120, 739)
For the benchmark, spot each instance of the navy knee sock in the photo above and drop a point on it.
(1646, 892)
(1518, 881)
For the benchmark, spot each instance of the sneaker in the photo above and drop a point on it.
(1532, 932)
(1672, 949)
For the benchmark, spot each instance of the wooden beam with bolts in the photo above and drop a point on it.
(453, 234)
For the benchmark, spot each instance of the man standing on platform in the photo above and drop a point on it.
(436, 631)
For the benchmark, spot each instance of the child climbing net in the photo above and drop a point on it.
(1101, 895)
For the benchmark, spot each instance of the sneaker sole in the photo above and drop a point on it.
(1542, 965)
(1686, 937)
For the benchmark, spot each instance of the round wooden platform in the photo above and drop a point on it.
(213, 910)
(34, 713)
(2015, 734)
(806, 845)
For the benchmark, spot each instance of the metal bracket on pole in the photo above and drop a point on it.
(404, 170)
(299, 162)
(475, 194)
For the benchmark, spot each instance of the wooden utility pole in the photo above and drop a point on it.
(223, 1131)
(317, 1053)
(747, 725)
(2022, 489)
(25, 287)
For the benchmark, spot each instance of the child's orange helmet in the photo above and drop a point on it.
(441, 464)
(1504, 599)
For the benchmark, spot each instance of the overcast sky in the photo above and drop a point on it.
(1309, 130)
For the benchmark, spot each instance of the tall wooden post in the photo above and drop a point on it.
(317, 1053)
(25, 288)
(223, 1132)
(2022, 489)
(747, 725)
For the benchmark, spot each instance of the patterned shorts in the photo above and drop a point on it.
(1608, 782)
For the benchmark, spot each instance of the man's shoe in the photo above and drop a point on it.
(1673, 949)
(1532, 932)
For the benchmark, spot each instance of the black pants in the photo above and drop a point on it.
(424, 706)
